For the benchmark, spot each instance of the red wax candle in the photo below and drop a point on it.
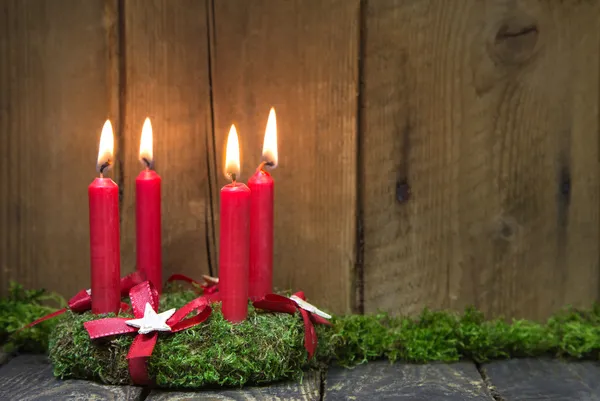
(261, 217)
(104, 233)
(261, 234)
(234, 239)
(147, 214)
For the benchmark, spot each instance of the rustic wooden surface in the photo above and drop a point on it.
(489, 112)
(57, 91)
(544, 379)
(29, 378)
(382, 380)
(167, 79)
(307, 390)
(300, 57)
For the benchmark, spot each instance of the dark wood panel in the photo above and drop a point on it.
(382, 380)
(544, 379)
(29, 378)
(167, 79)
(58, 85)
(488, 111)
(300, 57)
(307, 390)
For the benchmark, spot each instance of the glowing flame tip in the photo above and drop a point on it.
(269, 154)
(146, 149)
(106, 148)
(232, 155)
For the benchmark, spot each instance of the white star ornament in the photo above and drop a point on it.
(152, 321)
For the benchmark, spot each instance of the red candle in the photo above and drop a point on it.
(261, 217)
(147, 214)
(234, 237)
(104, 232)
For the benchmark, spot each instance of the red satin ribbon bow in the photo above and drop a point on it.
(210, 289)
(279, 303)
(82, 301)
(143, 344)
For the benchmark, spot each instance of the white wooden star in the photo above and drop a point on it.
(309, 307)
(152, 321)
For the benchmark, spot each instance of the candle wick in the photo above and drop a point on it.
(232, 175)
(147, 163)
(265, 163)
(103, 167)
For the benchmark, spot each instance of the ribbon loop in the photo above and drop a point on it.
(82, 301)
(200, 305)
(279, 303)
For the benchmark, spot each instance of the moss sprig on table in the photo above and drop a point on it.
(20, 308)
(449, 337)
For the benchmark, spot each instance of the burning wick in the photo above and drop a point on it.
(262, 165)
(147, 162)
(105, 166)
(146, 150)
(106, 149)
(232, 155)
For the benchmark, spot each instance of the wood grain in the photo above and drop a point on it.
(545, 379)
(485, 111)
(383, 380)
(57, 80)
(306, 390)
(29, 377)
(301, 58)
(166, 64)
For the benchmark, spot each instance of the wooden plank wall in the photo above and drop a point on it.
(57, 86)
(487, 111)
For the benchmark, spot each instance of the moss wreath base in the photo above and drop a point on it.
(268, 347)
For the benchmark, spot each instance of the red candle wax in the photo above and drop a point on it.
(148, 227)
(261, 234)
(104, 245)
(234, 251)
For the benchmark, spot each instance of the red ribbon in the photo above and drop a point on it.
(82, 301)
(279, 303)
(210, 290)
(143, 344)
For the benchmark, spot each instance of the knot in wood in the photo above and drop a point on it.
(515, 41)
(507, 228)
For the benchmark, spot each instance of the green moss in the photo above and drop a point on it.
(20, 308)
(269, 347)
(264, 348)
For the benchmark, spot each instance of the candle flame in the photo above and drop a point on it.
(146, 154)
(106, 148)
(232, 155)
(269, 153)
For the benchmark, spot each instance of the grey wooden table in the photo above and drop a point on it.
(29, 377)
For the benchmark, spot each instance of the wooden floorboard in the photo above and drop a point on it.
(544, 379)
(29, 377)
(307, 390)
(383, 380)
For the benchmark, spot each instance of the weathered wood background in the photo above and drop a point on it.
(487, 110)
